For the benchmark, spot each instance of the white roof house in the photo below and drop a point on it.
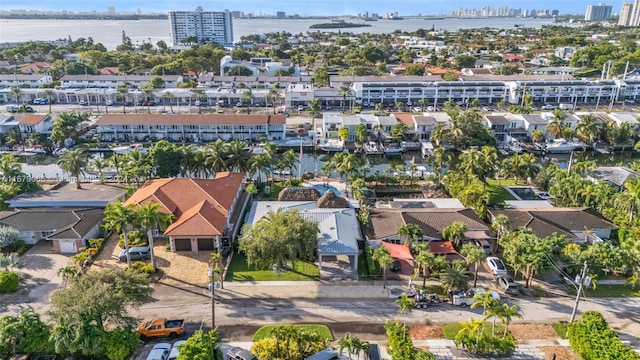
(339, 228)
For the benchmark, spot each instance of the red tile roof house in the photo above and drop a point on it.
(203, 208)
(35, 68)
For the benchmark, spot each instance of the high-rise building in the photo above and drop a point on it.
(634, 18)
(625, 14)
(206, 26)
(280, 14)
(111, 10)
(598, 12)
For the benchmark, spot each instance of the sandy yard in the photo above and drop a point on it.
(533, 332)
(181, 267)
(426, 332)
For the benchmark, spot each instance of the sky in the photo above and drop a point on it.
(303, 7)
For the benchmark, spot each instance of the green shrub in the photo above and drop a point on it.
(143, 267)
(593, 339)
(400, 344)
(9, 282)
(81, 257)
(135, 237)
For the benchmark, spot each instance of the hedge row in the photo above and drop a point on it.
(401, 346)
(592, 339)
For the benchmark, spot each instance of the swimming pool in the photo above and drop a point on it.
(524, 193)
(322, 188)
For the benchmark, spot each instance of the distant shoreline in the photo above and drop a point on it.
(82, 17)
(337, 25)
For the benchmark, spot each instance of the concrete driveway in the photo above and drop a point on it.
(39, 278)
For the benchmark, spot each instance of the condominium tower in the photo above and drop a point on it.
(625, 14)
(598, 12)
(634, 18)
(206, 26)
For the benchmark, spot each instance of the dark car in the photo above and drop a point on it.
(395, 267)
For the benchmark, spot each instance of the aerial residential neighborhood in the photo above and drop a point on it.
(382, 185)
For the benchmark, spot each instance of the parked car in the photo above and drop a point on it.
(485, 246)
(175, 349)
(135, 253)
(236, 353)
(300, 107)
(629, 101)
(496, 266)
(239, 104)
(109, 102)
(507, 284)
(161, 327)
(547, 107)
(481, 291)
(328, 107)
(417, 109)
(395, 267)
(83, 102)
(159, 352)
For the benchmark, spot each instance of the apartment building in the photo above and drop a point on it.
(192, 128)
(625, 14)
(22, 80)
(206, 26)
(598, 12)
(112, 81)
(260, 66)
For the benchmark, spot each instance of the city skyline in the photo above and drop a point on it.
(328, 7)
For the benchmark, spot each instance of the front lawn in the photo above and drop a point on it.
(497, 191)
(239, 270)
(430, 289)
(267, 331)
(612, 291)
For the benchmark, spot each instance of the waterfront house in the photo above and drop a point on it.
(37, 123)
(206, 211)
(197, 128)
(616, 176)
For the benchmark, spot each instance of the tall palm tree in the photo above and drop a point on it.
(199, 95)
(167, 96)
(383, 258)
(50, 95)
(425, 260)
(99, 164)
(410, 232)
(147, 96)
(557, 124)
(17, 93)
(150, 217)
(314, 111)
(500, 225)
(289, 160)
(215, 156)
(473, 255)
(259, 164)
(117, 217)
(455, 232)
(74, 162)
(121, 93)
(10, 168)
(484, 300)
(405, 305)
(237, 157)
(506, 313)
(587, 130)
(346, 92)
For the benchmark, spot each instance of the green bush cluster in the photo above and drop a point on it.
(143, 267)
(9, 282)
(135, 237)
(400, 344)
(592, 339)
(486, 344)
(80, 258)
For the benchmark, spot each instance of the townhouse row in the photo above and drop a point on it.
(343, 90)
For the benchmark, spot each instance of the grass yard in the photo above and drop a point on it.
(612, 291)
(451, 330)
(266, 331)
(561, 329)
(430, 289)
(273, 193)
(498, 193)
(239, 270)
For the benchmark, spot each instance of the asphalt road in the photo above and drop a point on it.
(238, 318)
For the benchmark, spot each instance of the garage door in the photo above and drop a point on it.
(68, 247)
(206, 244)
(182, 244)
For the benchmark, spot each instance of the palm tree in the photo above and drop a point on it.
(215, 155)
(405, 305)
(473, 255)
(506, 313)
(500, 225)
(199, 95)
(345, 91)
(50, 95)
(383, 258)
(99, 164)
(150, 217)
(455, 232)
(117, 217)
(484, 300)
(454, 278)
(9, 166)
(237, 156)
(147, 95)
(410, 232)
(121, 93)
(167, 96)
(67, 273)
(632, 197)
(314, 111)
(247, 98)
(74, 162)
(557, 124)
(425, 260)
(17, 93)
(587, 130)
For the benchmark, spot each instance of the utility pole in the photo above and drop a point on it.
(582, 281)
(212, 285)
